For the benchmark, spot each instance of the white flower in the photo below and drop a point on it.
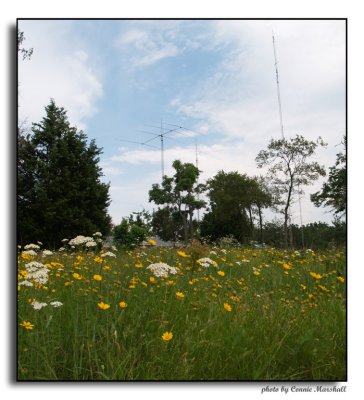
(206, 262)
(25, 283)
(99, 234)
(47, 253)
(79, 240)
(31, 246)
(161, 269)
(64, 240)
(91, 243)
(61, 249)
(56, 303)
(30, 252)
(38, 306)
(37, 271)
(108, 254)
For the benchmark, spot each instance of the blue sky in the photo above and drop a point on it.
(216, 78)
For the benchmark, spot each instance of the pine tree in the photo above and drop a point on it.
(60, 194)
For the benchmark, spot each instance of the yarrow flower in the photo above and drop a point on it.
(31, 246)
(56, 303)
(162, 269)
(108, 254)
(98, 234)
(206, 262)
(38, 306)
(80, 240)
(91, 243)
(167, 336)
(47, 253)
(29, 253)
(37, 272)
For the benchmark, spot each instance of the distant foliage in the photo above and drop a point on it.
(59, 189)
(132, 231)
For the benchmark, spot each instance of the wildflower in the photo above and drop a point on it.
(206, 262)
(56, 303)
(108, 254)
(167, 336)
(31, 246)
(80, 240)
(103, 306)
(227, 307)
(180, 295)
(182, 254)
(99, 234)
(123, 304)
(98, 277)
(152, 242)
(38, 306)
(28, 253)
(151, 279)
(27, 325)
(98, 259)
(256, 273)
(340, 279)
(161, 269)
(315, 276)
(77, 276)
(47, 253)
(25, 283)
(221, 273)
(303, 287)
(323, 288)
(287, 266)
(139, 265)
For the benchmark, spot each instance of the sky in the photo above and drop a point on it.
(122, 81)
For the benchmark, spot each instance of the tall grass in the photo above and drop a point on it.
(284, 324)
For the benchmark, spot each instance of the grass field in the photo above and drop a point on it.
(244, 314)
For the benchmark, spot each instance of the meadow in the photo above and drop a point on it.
(195, 313)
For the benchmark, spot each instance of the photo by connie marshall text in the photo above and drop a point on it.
(303, 389)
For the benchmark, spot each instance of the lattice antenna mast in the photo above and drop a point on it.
(278, 91)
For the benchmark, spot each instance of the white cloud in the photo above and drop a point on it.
(58, 69)
(147, 47)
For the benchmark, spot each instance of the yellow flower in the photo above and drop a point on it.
(256, 273)
(67, 283)
(151, 279)
(98, 259)
(323, 288)
(170, 283)
(180, 295)
(303, 287)
(138, 265)
(152, 242)
(103, 306)
(287, 266)
(77, 276)
(97, 277)
(316, 276)
(221, 273)
(340, 279)
(123, 304)
(227, 307)
(167, 336)
(182, 253)
(27, 325)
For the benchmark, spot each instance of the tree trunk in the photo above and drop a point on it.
(260, 223)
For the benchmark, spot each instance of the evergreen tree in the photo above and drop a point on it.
(60, 194)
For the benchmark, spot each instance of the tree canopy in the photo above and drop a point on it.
(333, 192)
(60, 194)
